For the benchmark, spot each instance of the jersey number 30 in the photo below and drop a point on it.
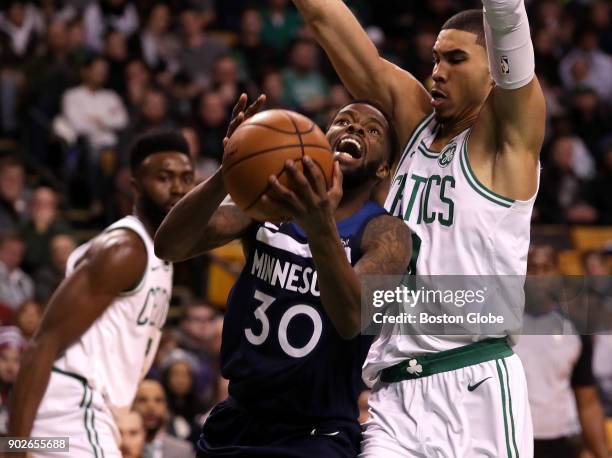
(299, 309)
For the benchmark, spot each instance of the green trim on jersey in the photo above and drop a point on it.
(426, 151)
(481, 189)
(413, 136)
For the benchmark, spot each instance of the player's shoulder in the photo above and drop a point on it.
(120, 247)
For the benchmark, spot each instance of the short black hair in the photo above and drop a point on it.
(90, 58)
(468, 21)
(394, 144)
(156, 141)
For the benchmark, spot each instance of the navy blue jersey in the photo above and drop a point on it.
(280, 351)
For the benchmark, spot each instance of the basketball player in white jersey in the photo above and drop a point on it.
(102, 326)
(465, 185)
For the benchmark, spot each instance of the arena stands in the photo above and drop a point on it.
(79, 79)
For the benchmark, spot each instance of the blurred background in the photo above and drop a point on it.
(79, 79)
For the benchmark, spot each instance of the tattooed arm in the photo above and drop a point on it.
(386, 246)
(199, 222)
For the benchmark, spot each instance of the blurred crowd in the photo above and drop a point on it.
(79, 79)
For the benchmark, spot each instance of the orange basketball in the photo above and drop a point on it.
(260, 147)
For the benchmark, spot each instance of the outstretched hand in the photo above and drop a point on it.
(307, 200)
(239, 114)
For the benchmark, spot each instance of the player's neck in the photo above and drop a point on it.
(150, 226)
(452, 128)
(352, 201)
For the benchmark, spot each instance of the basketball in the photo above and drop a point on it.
(261, 146)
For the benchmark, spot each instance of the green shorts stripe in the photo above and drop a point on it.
(511, 412)
(503, 398)
(93, 418)
(87, 429)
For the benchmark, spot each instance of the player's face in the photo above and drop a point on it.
(162, 180)
(150, 403)
(461, 77)
(359, 137)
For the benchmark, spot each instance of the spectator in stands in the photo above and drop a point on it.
(273, 85)
(600, 18)
(12, 345)
(602, 188)
(94, 114)
(167, 344)
(305, 87)
(199, 51)
(253, 55)
(22, 24)
(116, 54)
(131, 429)
(47, 77)
(150, 402)
(589, 116)
(152, 114)
(27, 318)
(225, 80)
(76, 38)
(155, 43)
(43, 224)
(547, 53)
(138, 81)
(48, 277)
(338, 98)
(559, 370)
(16, 286)
(204, 166)
(436, 12)
(212, 125)
(12, 193)
(103, 15)
(197, 335)
(563, 195)
(178, 378)
(587, 65)
(419, 62)
(281, 24)
(92, 111)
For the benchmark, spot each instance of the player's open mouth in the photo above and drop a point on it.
(349, 145)
(437, 97)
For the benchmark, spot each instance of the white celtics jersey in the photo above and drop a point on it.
(115, 353)
(459, 228)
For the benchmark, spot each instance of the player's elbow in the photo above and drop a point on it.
(165, 249)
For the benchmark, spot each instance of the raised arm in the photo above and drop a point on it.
(201, 220)
(78, 302)
(518, 104)
(362, 70)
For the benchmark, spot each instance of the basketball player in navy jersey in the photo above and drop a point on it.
(292, 348)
